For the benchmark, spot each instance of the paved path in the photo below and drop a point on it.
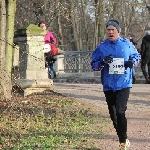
(138, 112)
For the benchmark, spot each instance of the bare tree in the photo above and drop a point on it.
(74, 24)
(7, 12)
(9, 47)
(3, 88)
(99, 22)
(131, 14)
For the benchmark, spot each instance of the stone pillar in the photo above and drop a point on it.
(31, 67)
(59, 64)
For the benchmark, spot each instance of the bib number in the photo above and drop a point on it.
(117, 66)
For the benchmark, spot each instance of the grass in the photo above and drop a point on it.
(49, 121)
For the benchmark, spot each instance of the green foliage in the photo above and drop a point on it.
(52, 122)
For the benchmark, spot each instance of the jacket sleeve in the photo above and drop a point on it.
(52, 38)
(49, 37)
(96, 60)
(142, 47)
(135, 55)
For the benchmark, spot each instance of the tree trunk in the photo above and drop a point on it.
(83, 7)
(99, 22)
(58, 15)
(3, 87)
(74, 26)
(11, 9)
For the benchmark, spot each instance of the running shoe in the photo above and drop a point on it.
(124, 146)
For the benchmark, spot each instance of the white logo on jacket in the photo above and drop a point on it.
(46, 48)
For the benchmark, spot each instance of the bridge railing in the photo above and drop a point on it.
(80, 62)
(76, 61)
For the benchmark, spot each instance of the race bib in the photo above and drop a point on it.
(117, 66)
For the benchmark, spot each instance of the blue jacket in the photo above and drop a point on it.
(120, 48)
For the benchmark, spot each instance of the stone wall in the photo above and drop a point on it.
(29, 64)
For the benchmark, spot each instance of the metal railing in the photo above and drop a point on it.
(80, 62)
(77, 61)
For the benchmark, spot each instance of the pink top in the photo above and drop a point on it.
(48, 37)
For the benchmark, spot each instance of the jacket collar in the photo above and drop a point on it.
(114, 42)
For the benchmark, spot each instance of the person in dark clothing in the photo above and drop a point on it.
(145, 55)
(50, 60)
(131, 39)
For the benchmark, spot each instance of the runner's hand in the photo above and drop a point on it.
(128, 64)
(107, 59)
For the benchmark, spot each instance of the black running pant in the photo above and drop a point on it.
(117, 105)
(143, 68)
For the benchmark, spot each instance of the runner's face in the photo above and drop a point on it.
(43, 26)
(112, 33)
(129, 37)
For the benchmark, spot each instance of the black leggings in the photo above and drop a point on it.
(117, 105)
(143, 68)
